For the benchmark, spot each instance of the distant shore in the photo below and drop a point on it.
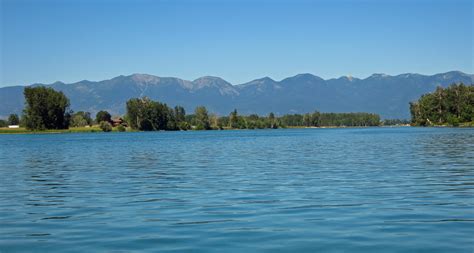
(96, 129)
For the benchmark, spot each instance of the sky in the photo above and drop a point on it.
(43, 41)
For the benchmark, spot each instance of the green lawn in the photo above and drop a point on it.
(22, 130)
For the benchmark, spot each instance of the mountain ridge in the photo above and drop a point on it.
(387, 95)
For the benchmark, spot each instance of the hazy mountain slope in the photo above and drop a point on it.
(383, 94)
(11, 100)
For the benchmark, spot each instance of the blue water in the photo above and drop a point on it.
(307, 190)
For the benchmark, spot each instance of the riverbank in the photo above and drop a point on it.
(96, 129)
(22, 130)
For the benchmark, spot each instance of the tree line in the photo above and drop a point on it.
(147, 115)
(46, 108)
(445, 106)
(319, 119)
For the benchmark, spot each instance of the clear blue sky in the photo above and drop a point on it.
(72, 40)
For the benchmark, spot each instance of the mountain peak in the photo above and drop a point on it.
(378, 75)
(144, 78)
(409, 75)
(58, 83)
(306, 75)
(260, 81)
(224, 87)
(260, 85)
(348, 78)
(452, 74)
(303, 78)
(208, 79)
(265, 79)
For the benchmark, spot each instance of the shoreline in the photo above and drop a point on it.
(96, 129)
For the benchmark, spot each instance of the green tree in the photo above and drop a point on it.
(13, 119)
(81, 119)
(87, 117)
(272, 120)
(234, 119)
(307, 120)
(202, 118)
(452, 106)
(148, 115)
(180, 118)
(78, 120)
(103, 116)
(315, 119)
(46, 109)
(179, 114)
(214, 122)
(171, 119)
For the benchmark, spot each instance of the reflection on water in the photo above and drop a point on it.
(357, 190)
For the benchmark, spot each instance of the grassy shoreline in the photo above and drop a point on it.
(22, 130)
(96, 129)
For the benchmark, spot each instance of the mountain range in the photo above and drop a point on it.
(383, 94)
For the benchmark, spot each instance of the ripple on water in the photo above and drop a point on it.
(308, 190)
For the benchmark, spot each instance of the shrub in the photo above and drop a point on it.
(183, 125)
(121, 128)
(453, 120)
(105, 126)
(78, 120)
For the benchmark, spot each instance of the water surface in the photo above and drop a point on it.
(307, 190)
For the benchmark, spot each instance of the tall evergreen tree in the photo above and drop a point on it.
(13, 119)
(233, 119)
